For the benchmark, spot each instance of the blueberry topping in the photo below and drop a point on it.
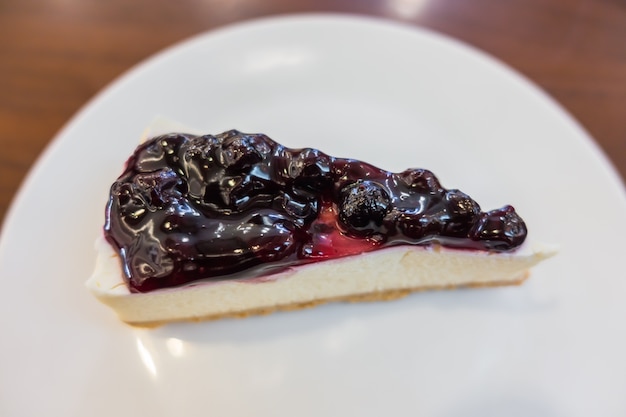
(189, 208)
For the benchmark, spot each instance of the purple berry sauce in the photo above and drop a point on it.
(191, 208)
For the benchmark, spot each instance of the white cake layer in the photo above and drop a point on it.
(391, 269)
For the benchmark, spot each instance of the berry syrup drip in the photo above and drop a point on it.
(191, 208)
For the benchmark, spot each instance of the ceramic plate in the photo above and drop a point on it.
(397, 97)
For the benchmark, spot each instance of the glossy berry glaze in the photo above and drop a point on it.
(191, 208)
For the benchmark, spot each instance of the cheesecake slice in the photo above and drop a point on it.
(229, 225)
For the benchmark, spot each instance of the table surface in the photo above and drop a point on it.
(56, 55)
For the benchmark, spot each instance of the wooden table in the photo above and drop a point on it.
(55, 55)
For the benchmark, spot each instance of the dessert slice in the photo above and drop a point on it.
(234, 224)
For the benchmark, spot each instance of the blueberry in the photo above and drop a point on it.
(200, 147)
(310, 172)
(421, 180)
(309, 163)
(132, 205)
(238, 152)
(147, 192)
(363, 206)
(461, 211)
(299, 209)
(499, 229)
(159, 152)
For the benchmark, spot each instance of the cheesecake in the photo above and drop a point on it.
(208, 226)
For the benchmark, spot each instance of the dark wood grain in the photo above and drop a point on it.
(55, 55)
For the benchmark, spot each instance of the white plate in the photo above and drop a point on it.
(392, 95)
